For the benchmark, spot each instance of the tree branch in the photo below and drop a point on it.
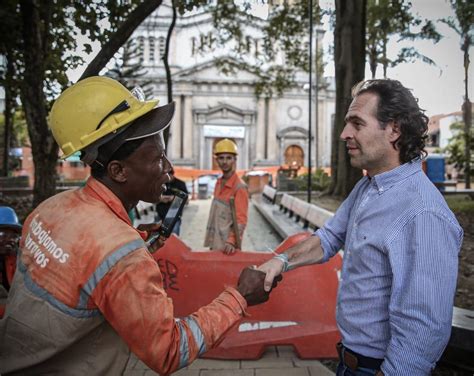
(120, 37)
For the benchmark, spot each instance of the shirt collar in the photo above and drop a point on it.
(230, 182)
(99, 191)
(388, 179)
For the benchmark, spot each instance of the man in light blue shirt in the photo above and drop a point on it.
(401, 242)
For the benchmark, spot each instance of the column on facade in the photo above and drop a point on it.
(260, 136)
(325, 129)
(273, 151)
(174, 148)
(320, 133)
(188, 147)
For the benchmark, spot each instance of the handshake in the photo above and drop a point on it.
(253, 286)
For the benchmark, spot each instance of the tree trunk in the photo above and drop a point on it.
(385, 59)
(120, 37)
(373, 61)
(169, 83)
(349, 54)
(44, 148)
(8, 113)
(36, 44)
(467, 113)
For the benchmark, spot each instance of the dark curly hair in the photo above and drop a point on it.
(397, 104)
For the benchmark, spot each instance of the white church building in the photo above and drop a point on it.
(211, 105)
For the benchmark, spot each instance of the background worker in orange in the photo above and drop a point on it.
(220, 234)
(87, 292)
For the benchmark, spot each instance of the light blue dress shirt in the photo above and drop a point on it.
(401, 244)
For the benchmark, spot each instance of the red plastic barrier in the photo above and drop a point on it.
(300, 312)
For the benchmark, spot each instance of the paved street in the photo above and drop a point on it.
(258, 236)
(277, 360)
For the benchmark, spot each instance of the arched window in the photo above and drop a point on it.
(141, 48)
(151, 42)
(193, 46)
(161, 46)
(212, 40)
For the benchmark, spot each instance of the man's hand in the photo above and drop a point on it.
(152, 229)
(272, 269)
(250, 286)
(157, 244)
(229, 249)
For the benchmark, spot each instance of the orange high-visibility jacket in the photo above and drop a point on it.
(87, 292)
(219, 228)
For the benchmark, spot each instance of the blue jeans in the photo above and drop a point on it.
(343, 370)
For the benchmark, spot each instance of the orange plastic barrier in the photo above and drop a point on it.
(300, 312)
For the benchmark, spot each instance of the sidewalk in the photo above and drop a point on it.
(277, 360)
(259, 236)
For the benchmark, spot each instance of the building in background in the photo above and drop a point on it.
(212, 105)
(439, 130)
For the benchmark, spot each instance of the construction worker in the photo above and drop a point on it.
(229, 209)
(10, 233)
(87, 291)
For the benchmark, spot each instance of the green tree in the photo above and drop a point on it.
(387, 19)
(127, 68)
(463, 25)
(44, 50)
(8, 78)
(457, 146)
(18, 137)
(285, 32)
(169, 83)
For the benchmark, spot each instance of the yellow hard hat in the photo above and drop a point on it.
(225, 146)
(92, 109)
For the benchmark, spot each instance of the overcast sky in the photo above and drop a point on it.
(439, 89)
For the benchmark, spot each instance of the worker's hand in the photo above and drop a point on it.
(272, 269)
(152, 229)
(229, 249)
(157, 244)
(149, 227)
(250, 286)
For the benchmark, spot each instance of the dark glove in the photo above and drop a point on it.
(250, 286)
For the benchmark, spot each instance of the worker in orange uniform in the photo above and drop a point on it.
(10, 233)
(230, 203)
(87, 291)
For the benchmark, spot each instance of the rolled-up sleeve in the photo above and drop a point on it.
(132, 299)
(424, 261)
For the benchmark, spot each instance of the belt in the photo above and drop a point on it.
(354, 360)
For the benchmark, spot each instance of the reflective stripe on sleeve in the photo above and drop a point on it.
(183, 345)
(105, 267)
(184, 341)
(197, 334)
